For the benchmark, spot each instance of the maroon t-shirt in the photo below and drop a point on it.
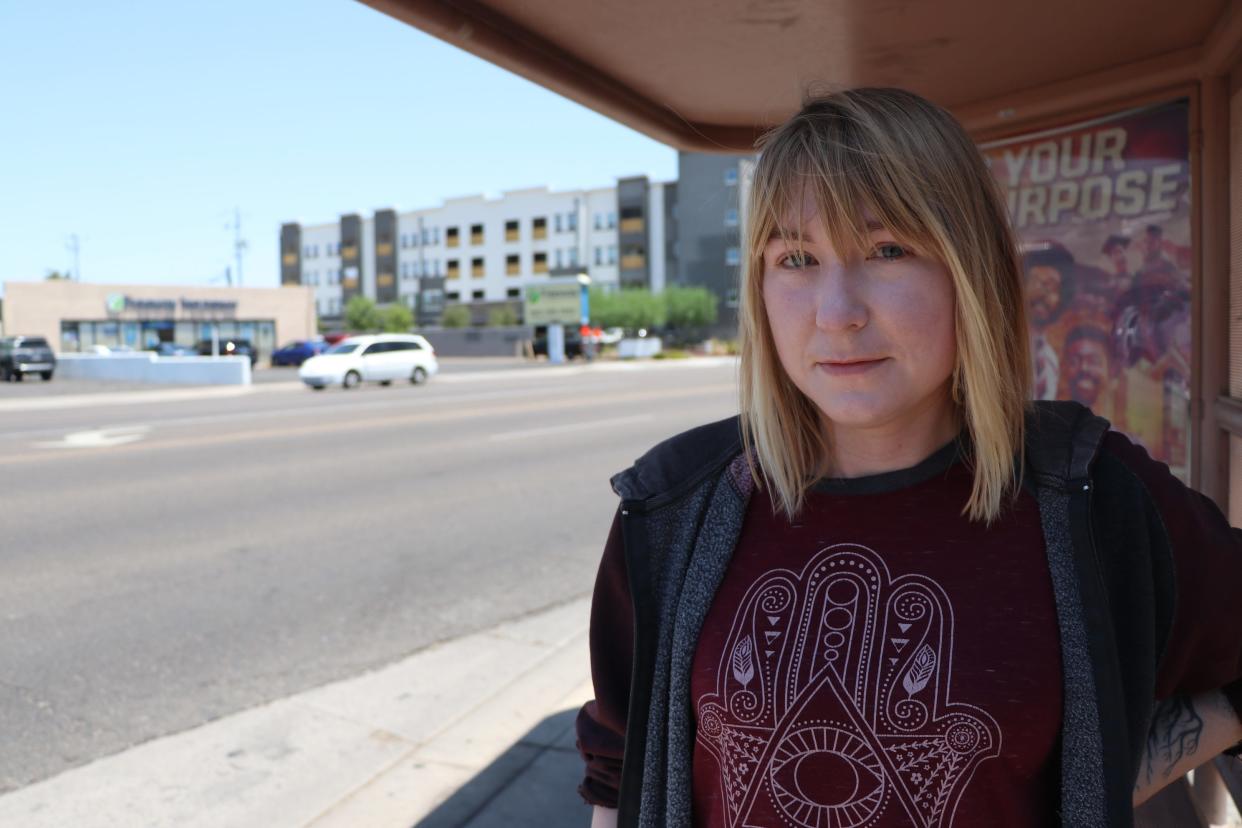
(881, 661)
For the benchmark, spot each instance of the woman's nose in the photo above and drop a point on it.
(839, 305)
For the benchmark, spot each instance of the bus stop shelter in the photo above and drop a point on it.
(1114, 126)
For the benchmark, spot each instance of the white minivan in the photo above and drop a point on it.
(380, 358)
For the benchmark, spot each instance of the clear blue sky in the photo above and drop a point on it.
(139, 126)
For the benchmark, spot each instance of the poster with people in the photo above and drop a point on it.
(1102, 212)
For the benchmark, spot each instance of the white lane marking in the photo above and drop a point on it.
(561, 429)
(98, 438)
(328, 406)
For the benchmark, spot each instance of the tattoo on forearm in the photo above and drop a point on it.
(1174, 735)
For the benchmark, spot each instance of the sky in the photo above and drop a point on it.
(140, 127)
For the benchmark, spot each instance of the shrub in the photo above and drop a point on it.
(502, 317)
(396, 319)
(455, 316)
(361, 314)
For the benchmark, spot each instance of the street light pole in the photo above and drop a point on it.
(239, 244)
(76, 248)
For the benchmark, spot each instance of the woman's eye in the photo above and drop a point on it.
(888, 251)
(796, 261)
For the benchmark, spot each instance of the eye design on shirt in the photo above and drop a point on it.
(830, 771)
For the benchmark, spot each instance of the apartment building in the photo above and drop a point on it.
(484, 250)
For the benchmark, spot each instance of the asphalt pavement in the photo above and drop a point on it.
(173, 565)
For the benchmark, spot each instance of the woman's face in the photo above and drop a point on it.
(870, 342)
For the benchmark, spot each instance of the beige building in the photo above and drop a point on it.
(74, 317)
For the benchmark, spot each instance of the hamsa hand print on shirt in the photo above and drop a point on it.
(832, 704)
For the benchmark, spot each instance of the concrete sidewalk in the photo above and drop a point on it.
(474, 732)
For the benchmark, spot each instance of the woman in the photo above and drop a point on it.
(894, 591)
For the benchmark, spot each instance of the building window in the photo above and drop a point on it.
(476, 267)
(632, 220)
(559, 261)
(512, 230)
(540, 263)
(513, 265)
(476, 234)
(450, 237)
(599, 255)
(539, 228)
(437, 265)
(733, 256)
(730, 177)
(477, 295)
(435, 235)
(403, 244)
(514, 293)
(731, 217)
(571, 221)
(558, 222)
(424, 234)
(452, 297)
(573, 257)
(612, 221)
(599, 221)
(634, 258)
(612, 254)
(453, 270)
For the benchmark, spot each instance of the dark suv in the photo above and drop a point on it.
(230, 347)
(21, 355)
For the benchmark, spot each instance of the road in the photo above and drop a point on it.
(166, 562)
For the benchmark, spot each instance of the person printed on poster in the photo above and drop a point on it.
(1102, 211)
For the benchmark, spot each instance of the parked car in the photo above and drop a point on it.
(230, 347)
(380, 358)
(336, 336)
(173, 349)
(21, 355)
(573, 342)
(298, 351)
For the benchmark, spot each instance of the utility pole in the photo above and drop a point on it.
(239, 244)
(76, 248)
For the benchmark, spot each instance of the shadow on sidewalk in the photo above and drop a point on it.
(533, 784)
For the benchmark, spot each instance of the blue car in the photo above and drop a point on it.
(298, 351)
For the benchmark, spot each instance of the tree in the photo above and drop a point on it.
(630, 308)
(396, 319)
(56, 275)
(502, 317)
(362, 315)
(455, 316)
(690, 307)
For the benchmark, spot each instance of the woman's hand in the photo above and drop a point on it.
(604, 817)
(1185, 733)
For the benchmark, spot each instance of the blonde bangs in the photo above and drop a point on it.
(907, 163)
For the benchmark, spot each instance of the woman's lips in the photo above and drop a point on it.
(848, 369)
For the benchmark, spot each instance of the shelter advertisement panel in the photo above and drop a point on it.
(1102, 212)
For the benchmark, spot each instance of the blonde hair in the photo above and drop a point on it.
(910, 165)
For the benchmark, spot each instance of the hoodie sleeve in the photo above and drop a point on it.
(601, 722)
(1204, 650)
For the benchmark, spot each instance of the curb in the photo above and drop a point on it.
(382, 749)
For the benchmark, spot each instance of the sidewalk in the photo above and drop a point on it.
(475, 732)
